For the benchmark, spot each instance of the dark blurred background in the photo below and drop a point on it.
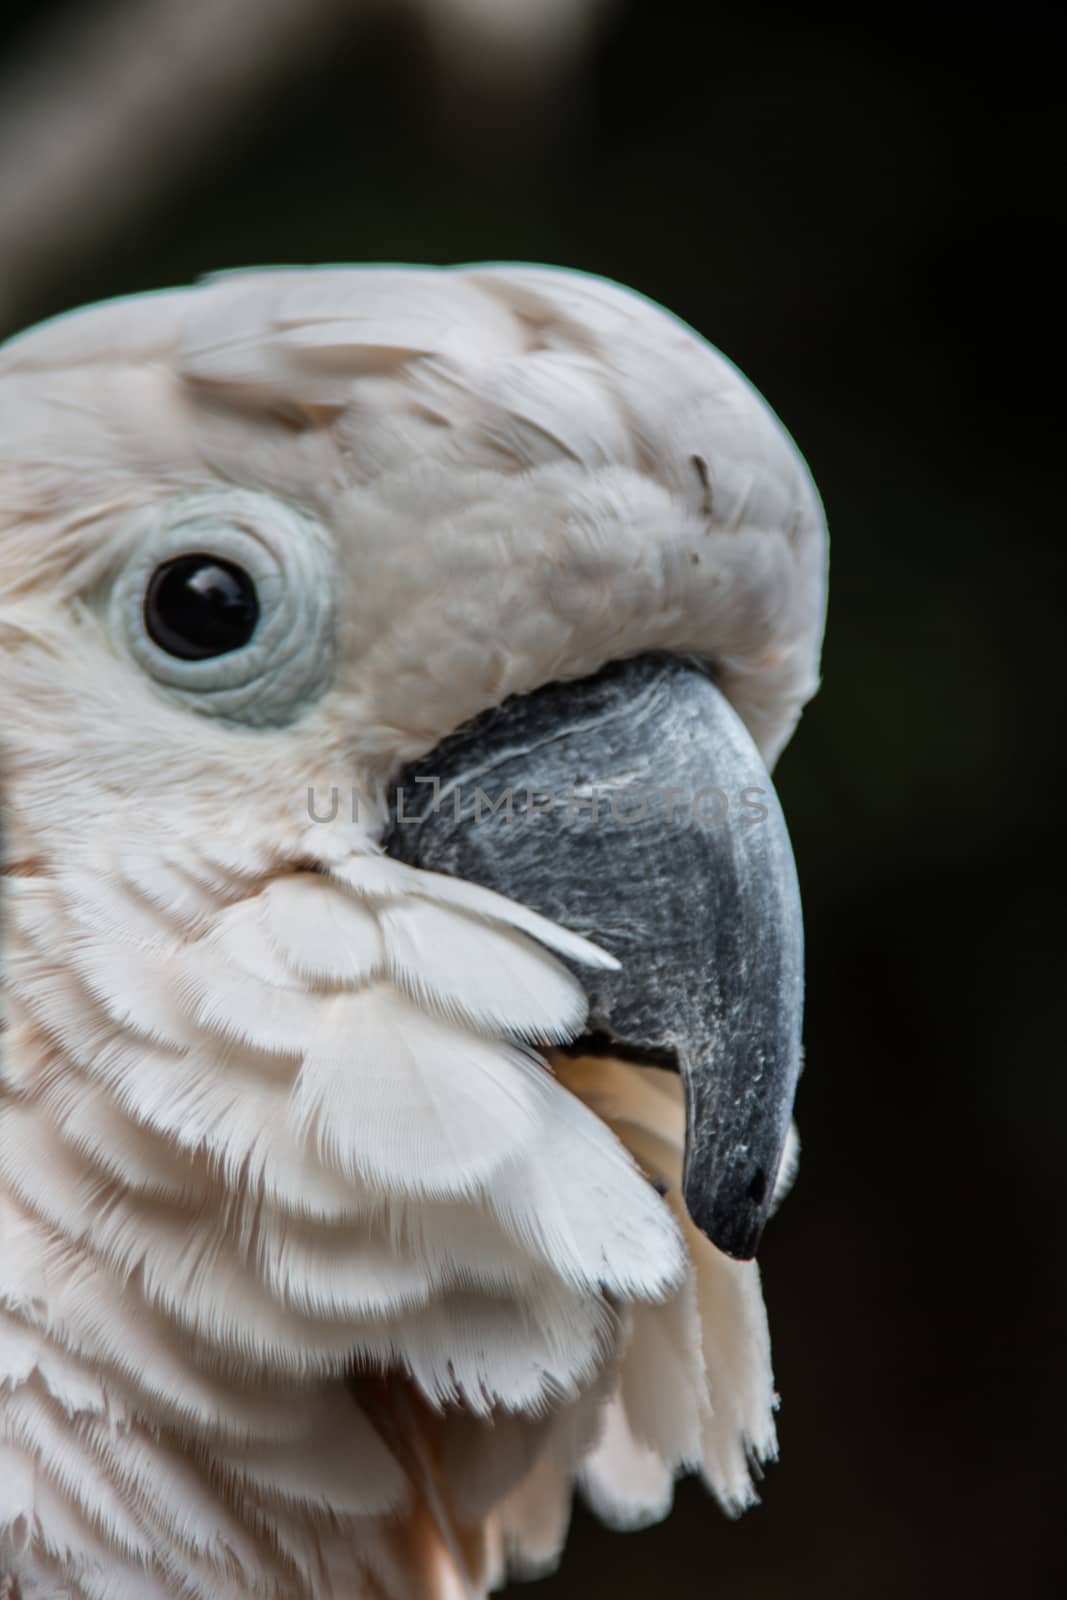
(861, 213)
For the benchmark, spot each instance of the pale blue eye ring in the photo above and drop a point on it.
(287, 556)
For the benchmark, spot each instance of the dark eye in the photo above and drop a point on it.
(198, 606)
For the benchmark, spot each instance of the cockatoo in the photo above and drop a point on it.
(402, 951)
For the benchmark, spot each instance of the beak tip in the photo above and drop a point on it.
(731, 1217)
(737, 1238)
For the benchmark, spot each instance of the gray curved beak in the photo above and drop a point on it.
(634, 808)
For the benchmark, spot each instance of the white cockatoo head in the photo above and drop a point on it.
(269, 548)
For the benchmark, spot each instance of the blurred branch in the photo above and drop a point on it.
(106, 114)
(510, 71)
(107, 111)
(526, 40)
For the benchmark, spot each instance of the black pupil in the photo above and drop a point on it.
(198, 606)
